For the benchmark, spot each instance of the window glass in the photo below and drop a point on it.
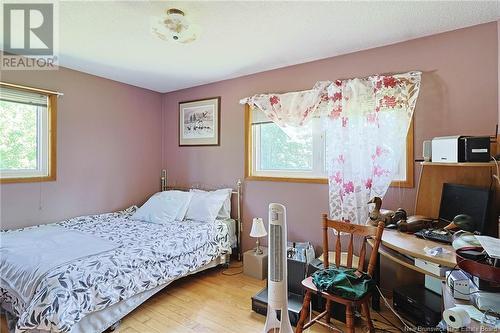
(18, 142)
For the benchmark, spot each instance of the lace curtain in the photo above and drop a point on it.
(366, 129)
(291, 111)
(366, 121)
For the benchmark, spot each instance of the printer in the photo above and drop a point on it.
(457, 148)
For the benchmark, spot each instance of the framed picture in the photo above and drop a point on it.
(199, 122)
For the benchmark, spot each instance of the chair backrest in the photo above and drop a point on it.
(365, 231)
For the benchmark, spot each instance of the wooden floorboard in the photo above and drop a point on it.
(210, 302)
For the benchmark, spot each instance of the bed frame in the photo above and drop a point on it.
(109, 318)
(121, 309)
(236, 192)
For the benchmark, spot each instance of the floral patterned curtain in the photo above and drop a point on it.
(366, 127)
(366, 121)
(290, 111)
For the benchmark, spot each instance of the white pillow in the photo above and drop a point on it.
(205, 206)
(186, 199)
(164, 207)
(225, 211)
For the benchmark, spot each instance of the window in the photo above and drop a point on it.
(27, 134)
(271, 155)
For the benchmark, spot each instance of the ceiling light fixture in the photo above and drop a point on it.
(174, 26)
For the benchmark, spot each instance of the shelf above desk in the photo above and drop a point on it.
(465, 164)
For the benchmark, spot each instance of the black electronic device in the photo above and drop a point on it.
(441, 236)
(259, 305)
(296, 274)
(417, 304)
(476, 148)
(465, 199)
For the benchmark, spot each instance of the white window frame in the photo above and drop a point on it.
(318, 160)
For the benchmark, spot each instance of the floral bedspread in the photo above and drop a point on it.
(148, 255)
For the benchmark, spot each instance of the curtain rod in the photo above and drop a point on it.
(43, 91)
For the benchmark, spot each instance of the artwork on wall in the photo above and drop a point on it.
(199, 122)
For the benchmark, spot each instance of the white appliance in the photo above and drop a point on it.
(445, 149)
(458, 283)
(277, 272)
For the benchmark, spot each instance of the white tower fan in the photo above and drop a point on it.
(277, 282)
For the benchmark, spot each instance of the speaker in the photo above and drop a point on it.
(427, 150)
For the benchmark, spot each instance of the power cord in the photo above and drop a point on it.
(227, 273)
(395, 313)
(385, 329)
(388, 322)
(497, 176)
(455, 269)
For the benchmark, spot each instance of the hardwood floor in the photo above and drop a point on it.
(213, 303)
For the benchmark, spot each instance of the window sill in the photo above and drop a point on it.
(27, 180)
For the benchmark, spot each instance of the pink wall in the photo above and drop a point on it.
(459, 95)
(108, 153)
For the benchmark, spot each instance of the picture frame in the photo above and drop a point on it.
(199, 122)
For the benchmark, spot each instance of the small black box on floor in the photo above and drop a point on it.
(417, 304)
(296, 273)
(318, 303)
(259, 305)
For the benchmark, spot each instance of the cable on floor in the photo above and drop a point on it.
(388, 322)
(226, 271)
(395, 313)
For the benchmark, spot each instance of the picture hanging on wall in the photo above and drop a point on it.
(199, 122)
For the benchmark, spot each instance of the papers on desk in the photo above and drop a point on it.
(473, 312)
(490, 245)
(479, 316)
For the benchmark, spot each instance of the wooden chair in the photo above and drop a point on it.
(352, 229)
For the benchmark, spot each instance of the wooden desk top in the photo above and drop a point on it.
(412, 246)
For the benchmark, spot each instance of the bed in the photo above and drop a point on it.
(92, 292)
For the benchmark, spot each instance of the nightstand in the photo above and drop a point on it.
(255, 265)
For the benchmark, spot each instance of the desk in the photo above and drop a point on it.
(403, 248)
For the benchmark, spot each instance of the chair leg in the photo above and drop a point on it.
(365, 310)
(349, 319)
(328, 311)
(304, 312)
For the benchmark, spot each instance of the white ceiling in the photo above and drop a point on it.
(112, 39)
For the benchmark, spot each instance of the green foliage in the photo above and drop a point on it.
(18, 136)
(278, 152)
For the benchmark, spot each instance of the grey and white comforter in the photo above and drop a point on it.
(147, 256)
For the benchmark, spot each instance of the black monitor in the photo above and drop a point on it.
(464, 199)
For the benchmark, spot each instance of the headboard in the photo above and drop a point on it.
(236, 194)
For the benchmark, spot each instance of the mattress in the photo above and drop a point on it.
(149, 256)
